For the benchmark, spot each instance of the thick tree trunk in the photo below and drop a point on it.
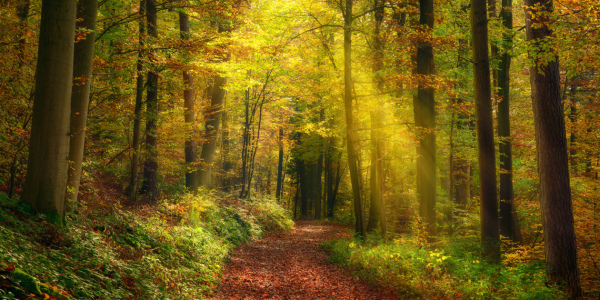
(191, 177)
(137, 114)
(87, 10)
(47, 168)
(150, 184)
(213, 114)
(279, 190)
(424, 106)
(553, 160)
(509, 223)
(351, 139)
(227, 164)
(490, 236)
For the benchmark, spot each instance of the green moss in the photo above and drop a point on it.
(26, 281)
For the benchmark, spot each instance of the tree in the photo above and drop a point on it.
(150, 183)
(87, 11)
(509, 224)
(139, 99)
(47, 167)
(490, 237)
(191, 174)
(551, 148)
(351, 140)
(279, 190)
(424, 106)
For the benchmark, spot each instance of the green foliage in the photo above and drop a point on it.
(451, 270)
(120, 253)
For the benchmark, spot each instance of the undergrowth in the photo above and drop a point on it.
(113, 252)
(450, 270)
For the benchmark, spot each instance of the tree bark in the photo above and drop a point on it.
(87, 11)
(191, 176)
(278, 192)
(490, 237)
(139, 99)
(377, 209)
(509, 223)
(553, 159)
(47, 168)
(350, 130)
(424, 106)
(150, 184)
(213, 114)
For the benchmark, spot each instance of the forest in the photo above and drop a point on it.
(411, 149)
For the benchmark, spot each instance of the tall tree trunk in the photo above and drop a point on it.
(87, 10)
(150, 184)
(137, 113)
(226, 180)
(509, 223)
(279, 190)
(213, 114)
(573, 135)
(191, 175)
(350, 130)
(318, 186)
(424, 106)
(47, 167)
(551, 145)
(490, 236)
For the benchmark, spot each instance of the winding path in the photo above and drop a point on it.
(292, 265)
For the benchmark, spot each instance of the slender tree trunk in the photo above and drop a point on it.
(87, 10)
(137, 114)
(47, 167)
(191, 178)
(509, 223)
(280, 167)
(150, 184)
(350, 130)
(553, 160)
(573, 136)
(490, 236)
(319, 185)
(424, 106)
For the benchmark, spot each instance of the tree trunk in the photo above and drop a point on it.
(509, 223)
(137, 114)
(279, 190)
(191, 177)
(553, 160)
(424, 106)
(319, 185)
(150, 184)
(87, 10)
(490, 237)
(47, 168)
(213, 114)
(350, 130)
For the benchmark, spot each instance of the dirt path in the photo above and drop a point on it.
(292, 265)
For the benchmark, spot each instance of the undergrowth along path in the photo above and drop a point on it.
(292, 265)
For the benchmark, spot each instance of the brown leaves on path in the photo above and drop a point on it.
(292, 265)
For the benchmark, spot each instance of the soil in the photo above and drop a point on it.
(293, 265)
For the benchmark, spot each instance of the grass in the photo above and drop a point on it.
(174, 250)
(447, 270)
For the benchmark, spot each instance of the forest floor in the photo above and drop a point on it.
(293, 265)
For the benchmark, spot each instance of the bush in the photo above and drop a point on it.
(122, 253)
